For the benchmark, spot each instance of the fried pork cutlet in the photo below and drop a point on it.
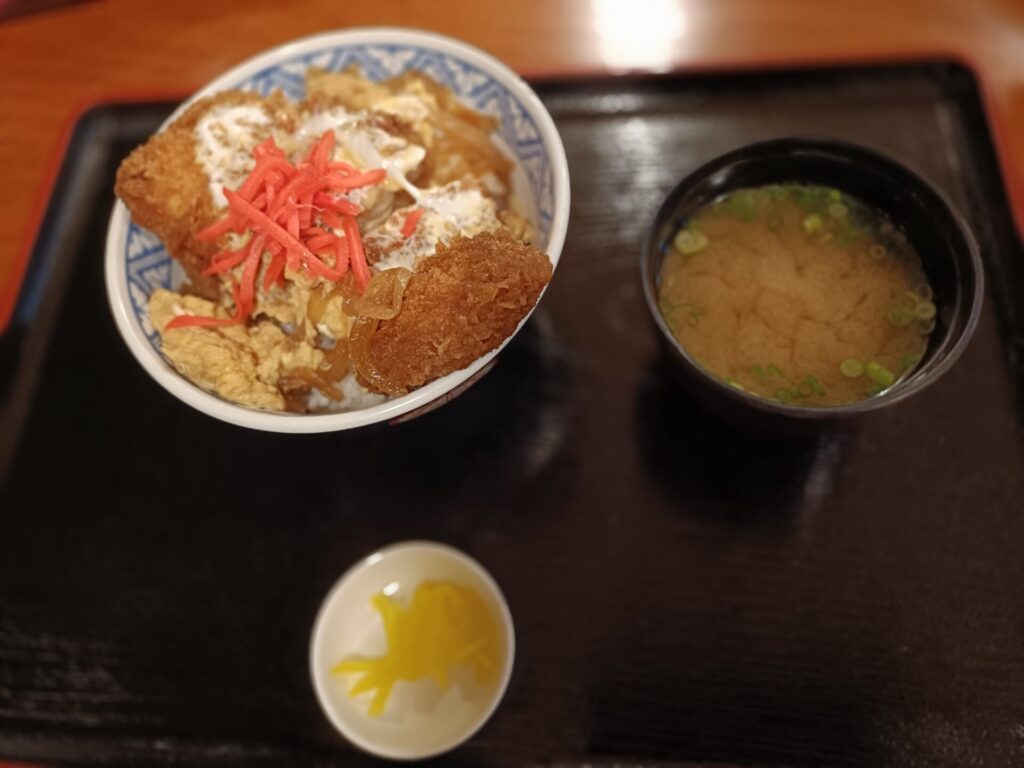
(168, 192)
(460, 304)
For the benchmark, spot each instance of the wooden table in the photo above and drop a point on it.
(58, 63)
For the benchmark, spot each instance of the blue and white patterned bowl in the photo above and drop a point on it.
(136, 262)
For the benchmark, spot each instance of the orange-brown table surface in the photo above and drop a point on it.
(56, 63)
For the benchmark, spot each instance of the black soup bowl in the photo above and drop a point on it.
(936, 231)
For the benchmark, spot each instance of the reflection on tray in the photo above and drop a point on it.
(693, 455)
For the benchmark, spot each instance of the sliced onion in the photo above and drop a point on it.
(336, 362)
(359, 343)
(346, 288)
(314, 379)
(317, 305)
(382, 299)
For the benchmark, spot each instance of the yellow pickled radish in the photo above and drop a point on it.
(444, 625)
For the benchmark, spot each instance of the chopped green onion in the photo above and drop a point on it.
(875, 390)
(738, 203)
(909, 361)
(851, 368)
(733, 383)
(838, 211)
(924, 291)
(693, 319)
(877, 251)
(689, 241)
(815, 385)
(758, 371)
(927, 326)
(879, 374)
(773, 369)
(901, 317)
(858, 231)
(805, 198)
(783, 395)
(925, 310)
(813, 223)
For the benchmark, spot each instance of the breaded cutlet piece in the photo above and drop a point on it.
(460, 304)
(165, 187)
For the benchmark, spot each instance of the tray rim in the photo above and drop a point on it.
(70, 747)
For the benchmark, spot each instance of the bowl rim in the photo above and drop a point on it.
(319, 678)
(163, 373)
(973, 299)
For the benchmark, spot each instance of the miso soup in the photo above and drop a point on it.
(799, 294)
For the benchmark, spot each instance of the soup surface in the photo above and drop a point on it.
(799, 294)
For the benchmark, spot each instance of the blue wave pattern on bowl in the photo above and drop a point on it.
(147, 262)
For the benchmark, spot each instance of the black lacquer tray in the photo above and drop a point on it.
(683, 594)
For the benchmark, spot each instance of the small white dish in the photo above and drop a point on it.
(136, 262)
(419, 721)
